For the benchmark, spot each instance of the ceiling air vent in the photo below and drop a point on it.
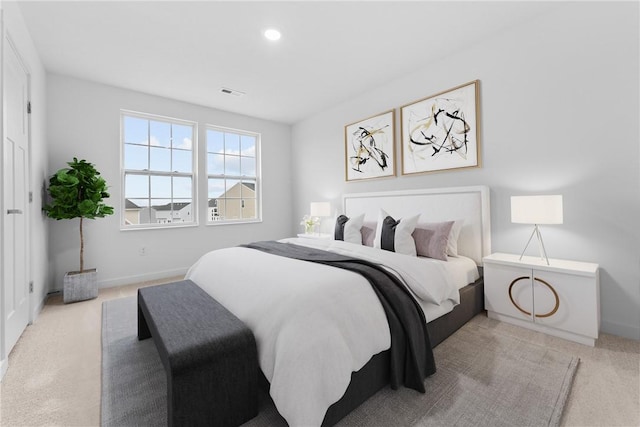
(233, 92)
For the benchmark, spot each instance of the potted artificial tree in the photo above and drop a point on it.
(78, 192)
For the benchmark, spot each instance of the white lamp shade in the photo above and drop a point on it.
(536, 209)
(320, 209)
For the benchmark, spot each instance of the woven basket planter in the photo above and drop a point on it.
(80, 286)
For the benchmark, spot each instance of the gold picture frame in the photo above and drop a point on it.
(441, 132)
(370, 147)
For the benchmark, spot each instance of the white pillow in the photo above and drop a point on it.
(452, 244)
(351, 229)
(403, 242)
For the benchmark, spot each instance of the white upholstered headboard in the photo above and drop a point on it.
(434, 205)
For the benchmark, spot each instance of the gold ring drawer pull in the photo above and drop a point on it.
(555, 295)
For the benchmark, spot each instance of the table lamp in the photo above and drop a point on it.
(536, 210)
(320, 209)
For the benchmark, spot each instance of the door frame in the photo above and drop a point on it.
(6, 43)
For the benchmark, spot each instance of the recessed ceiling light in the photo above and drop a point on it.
(272, 34)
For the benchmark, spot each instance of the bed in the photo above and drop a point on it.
(318, 372)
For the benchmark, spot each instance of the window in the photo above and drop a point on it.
(233, 175)
(158, 171)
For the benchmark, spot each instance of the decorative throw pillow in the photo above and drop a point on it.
(368, 231)
(432, 239)
(395, 236)
(452, 244)
(348, 229)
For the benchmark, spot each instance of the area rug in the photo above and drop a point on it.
(483, 378)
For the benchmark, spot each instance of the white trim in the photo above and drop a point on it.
(4, 357)
(38, 306)
(158, 226)
(233, 130)
(146, 277)
(410, 202)
(622, 330)
(158, 117)
(138, 278)
(233, 221)
(4, 365)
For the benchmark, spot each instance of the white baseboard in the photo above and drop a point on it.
(138, 278)
(127, 280)
(625, 331)
(37, 309)
(4, 364)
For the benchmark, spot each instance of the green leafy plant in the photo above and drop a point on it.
(78, 192)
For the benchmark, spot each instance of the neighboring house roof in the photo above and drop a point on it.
(128, 204)
(250, 185)
(172, 206)
(213, 203)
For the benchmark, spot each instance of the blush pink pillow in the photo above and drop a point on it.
(432, 239)
(368, 231)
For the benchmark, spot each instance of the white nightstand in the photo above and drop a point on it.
(315, 236)
(560, 299)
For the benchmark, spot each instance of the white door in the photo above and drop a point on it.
(15, 195)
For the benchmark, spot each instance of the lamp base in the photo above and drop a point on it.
(543, 252)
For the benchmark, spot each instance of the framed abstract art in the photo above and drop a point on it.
(370, 147)
(441, 132)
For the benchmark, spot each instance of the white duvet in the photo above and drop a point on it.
(314, 324)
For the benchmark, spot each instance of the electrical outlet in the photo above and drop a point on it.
(142, 251)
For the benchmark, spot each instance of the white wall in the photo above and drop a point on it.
(559, 109)
(84, 121)
(15, 27)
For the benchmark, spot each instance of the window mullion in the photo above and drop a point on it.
(156, 173)
(149, 166)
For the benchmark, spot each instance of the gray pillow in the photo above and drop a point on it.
(432, 239)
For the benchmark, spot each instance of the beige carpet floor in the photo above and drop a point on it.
(54, 370)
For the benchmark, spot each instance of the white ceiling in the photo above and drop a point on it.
(329, 51)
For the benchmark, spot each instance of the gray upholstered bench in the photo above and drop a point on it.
(209, 355)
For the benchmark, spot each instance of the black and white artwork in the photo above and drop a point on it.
(441, 132)
(369, 147)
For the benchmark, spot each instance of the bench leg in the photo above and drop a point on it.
(143, 328)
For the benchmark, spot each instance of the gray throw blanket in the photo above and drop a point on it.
(411, 355)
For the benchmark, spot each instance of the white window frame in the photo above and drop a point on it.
(193, 175)
(258, 176)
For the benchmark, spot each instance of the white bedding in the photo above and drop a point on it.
(314, 324)
(460, 269)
